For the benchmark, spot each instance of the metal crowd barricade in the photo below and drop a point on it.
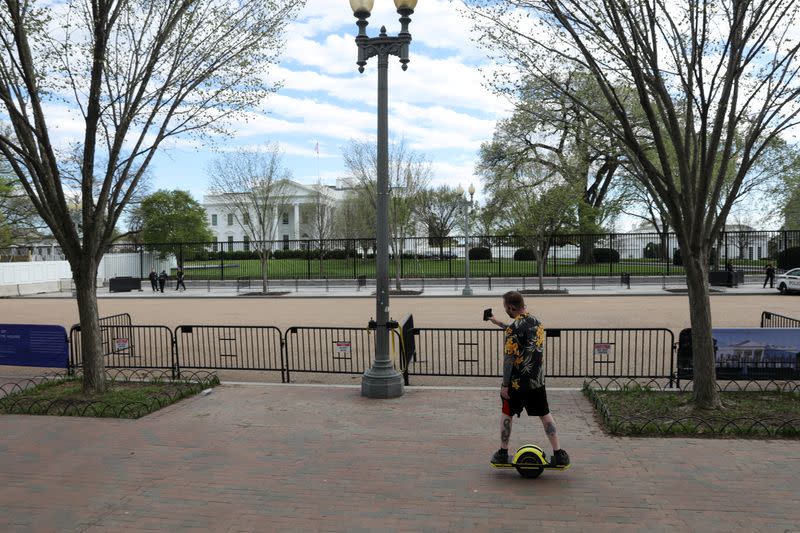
(335, 350)
(610, 352)
(230, 348)
(569, 353)
(774, 320)
(127, 346)
(457, 352)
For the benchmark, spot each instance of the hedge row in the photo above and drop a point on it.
(601, 255)
(203, 255)
(789, 258)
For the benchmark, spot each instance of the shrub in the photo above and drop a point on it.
(605, 255)
(290, 254)
(479, 253)
(789, 258)
(678, 260)
(650, 251)
(524, 254)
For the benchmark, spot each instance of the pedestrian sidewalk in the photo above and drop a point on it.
(343, 288)
(321, 458)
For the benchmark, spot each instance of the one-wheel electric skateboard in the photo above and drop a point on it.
(530, 461)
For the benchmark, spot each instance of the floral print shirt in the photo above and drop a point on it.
(523, 353)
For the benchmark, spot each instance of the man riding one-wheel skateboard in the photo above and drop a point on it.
(523, 387)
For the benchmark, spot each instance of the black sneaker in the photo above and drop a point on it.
(560, 458)
(500, 457)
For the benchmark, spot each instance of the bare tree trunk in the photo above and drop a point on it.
(706, 395)
(540, 261)
(586, 254)
(397, 283)
(398, 252)
(94, 367)
(264, 271)
(663, 245)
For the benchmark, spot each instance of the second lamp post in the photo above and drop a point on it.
(467, 207)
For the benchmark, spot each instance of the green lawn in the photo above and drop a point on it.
(415, 268)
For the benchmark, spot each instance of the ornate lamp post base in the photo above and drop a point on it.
(382, 381)
(466, 291)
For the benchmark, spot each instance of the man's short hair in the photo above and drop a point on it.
(514, 298)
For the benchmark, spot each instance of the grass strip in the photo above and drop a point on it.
(640, 411)
(122, 399)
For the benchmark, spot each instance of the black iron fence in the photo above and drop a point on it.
(601, 254)
(774, 320)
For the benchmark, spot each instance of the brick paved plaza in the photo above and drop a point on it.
(304, 458)
(321, 458)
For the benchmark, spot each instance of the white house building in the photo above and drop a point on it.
(293, 216)
(738, 241)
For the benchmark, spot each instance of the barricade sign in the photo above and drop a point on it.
(603, 352)
(33, 345)
(121, 343)
(343, 348)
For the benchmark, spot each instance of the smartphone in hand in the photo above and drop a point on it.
(487, 314)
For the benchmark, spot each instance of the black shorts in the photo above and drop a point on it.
(534, 402)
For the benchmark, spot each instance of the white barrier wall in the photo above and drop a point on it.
(133, 264)
(111, 266)
(33, 272)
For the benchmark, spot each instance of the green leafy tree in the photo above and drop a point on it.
(536, 204)
(136, 73)
(548, 129)
(173, 217)
(791, 210)
(716, 83)
(19, 222)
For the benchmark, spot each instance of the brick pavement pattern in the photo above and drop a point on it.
(305, 458)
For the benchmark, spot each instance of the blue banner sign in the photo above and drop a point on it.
(33, 345)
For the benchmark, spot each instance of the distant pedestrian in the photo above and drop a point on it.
(770, 270)
(153, 280)
(179, 276)
(162, 280)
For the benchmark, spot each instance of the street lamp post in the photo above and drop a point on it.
(467, 207)
(382, 380)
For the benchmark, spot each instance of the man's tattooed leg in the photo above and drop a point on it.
(550, 430)
(505, 431)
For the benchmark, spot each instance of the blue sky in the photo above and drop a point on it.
(439, 105)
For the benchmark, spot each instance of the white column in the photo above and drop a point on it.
(297, 221)
(275, 221)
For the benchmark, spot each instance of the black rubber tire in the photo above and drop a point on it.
(782, 288)
(529, 458)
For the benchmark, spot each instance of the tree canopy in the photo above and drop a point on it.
(706, 88)
(132, 74)
(173, 216)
